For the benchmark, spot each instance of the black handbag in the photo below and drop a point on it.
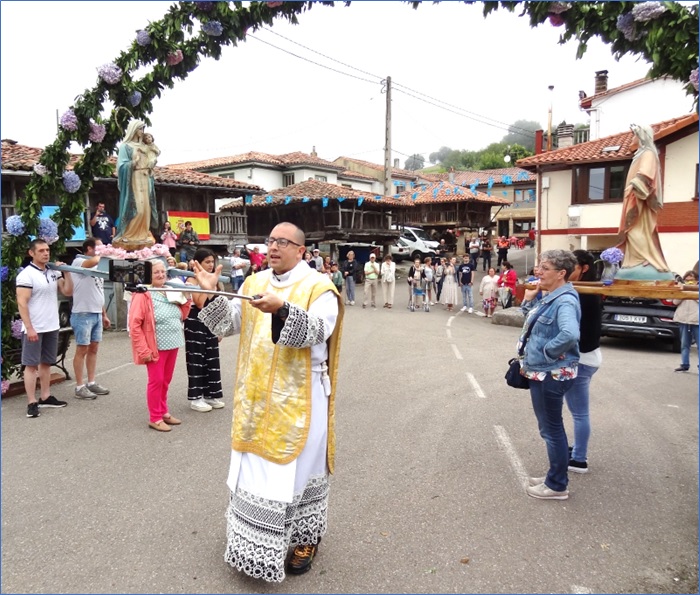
(513, 376)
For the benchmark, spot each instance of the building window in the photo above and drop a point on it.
(400, 188)
(231, 175)
(599, 184)
(346, 185)
(321, 178)
(523, 225)
(287, 180)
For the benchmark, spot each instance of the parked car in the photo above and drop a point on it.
(400, 251)
(418, 241)
(633, 317)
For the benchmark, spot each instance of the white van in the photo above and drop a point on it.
(418, 241)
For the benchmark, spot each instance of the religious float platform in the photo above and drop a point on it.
(663, 290)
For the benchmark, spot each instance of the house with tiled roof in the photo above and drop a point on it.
(400, 178)
(580, 191)
(279, 171)
(641, 101)
(515, 217)
(177, 191)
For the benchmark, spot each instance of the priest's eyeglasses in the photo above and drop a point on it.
(281, 242)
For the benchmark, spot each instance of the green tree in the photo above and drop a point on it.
(522, 132)
(439, 156)
(415, 162)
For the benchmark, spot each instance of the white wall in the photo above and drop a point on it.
(679, 173)
(649, 103)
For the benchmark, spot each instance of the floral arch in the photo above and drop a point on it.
(169, 49)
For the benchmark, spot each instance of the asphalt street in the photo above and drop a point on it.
(428, 496)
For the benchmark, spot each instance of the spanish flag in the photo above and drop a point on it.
(200, 222)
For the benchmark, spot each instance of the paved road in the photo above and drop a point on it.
(433, 450)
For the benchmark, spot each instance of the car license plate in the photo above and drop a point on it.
(628, 318)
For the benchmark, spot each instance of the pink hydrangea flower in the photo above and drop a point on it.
(174, 58)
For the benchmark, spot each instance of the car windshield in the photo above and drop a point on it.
(422, 234)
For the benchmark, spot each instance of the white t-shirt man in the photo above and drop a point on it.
(43, 304)
(88, 291)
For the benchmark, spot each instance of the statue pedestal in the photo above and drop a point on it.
(130, 246)
(643, 273)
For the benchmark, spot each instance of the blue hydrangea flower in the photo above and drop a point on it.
(97, 132)
(110, 73)
(17, 329)
(69, 121)
(205, 5)
(694, 78)
(648, 11)
(40, 170)
(135, 98)
(213, 28)
(143, 38)
(625, 24)
(48, 230)
(4, 273)
(71, 181)
(14, 225)
(612, 255)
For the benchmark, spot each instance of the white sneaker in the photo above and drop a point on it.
(352, 303)
(470, 311)
(200, 405)
(215, 403)
(464, 309)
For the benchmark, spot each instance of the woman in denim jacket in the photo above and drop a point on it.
(550, 361)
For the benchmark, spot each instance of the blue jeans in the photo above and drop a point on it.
(236, 282)
(689, 333)
(350, 288)
(577, 399)
(548, 401)
(467, 296)
(87, 327)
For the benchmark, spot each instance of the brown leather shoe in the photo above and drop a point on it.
(161, 426)
(171, 421)
(302, 556)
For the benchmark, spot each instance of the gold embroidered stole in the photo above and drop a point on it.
(272, 397)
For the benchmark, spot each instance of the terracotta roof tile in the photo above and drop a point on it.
(282, 161)
(624, 144)
(313, 190)
(481, 177)
(395, 171)
(443, 192)
(348, 173)
(16, 157)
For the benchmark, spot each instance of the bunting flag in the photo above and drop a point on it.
(507, 180)
(523, 175)
(531, 192)
(447, 191)
(488, 193)
(397, 196)
(360, 200)
(490, 182)
(476, 182)
(518, 195)
(395, 182)
(324, 201)
(414, 196)
(413, 184)
(340, 198)
(248, 199)
(305, 199)
(287, 199)
(473, 188)
(505, 193)
(268, 199)
(377, 197)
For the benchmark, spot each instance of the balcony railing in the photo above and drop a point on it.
(230, 224)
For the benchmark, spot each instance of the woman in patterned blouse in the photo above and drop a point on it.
(155, 326)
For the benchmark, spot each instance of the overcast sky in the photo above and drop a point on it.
(259, 98)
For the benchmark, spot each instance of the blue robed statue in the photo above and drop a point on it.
(138, 213)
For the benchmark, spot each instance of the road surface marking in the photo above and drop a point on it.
(449, 334)
(458, 355)
(674, 406)
(110, 370)
(475, 386)
(513, 458)
(449, 321)
(580, 589)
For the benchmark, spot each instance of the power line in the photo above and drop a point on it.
(479, 118)
(311, 61)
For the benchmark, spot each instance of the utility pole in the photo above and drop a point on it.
(549, 120)
(387, 143)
